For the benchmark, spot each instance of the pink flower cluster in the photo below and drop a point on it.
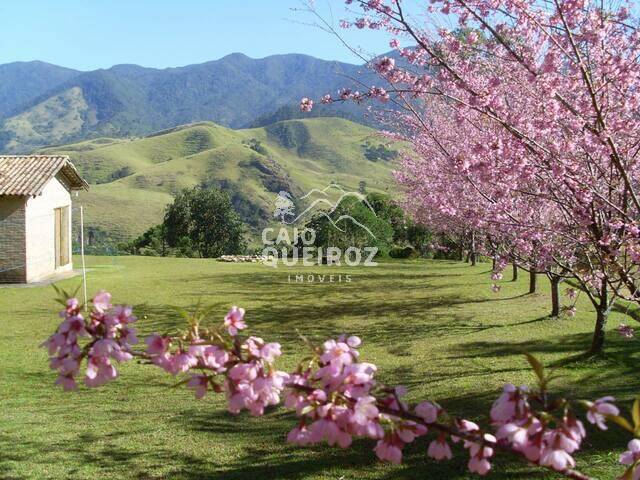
(571, 293)
(631, 457)
(249, 379)
(340, 400)
(334, 401)
(211, 357)
(109, 337)
(626, 331)
(479, 452)
(253, 383)
(549, 443)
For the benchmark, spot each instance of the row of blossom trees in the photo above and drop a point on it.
(524, 128)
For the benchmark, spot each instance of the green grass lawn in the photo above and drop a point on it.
(433, 326)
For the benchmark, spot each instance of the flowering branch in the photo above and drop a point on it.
(334, 394)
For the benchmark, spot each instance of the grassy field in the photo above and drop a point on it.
(432, 326)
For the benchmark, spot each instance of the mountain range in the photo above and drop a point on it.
(43, 104)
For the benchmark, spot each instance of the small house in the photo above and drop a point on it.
(35, 216)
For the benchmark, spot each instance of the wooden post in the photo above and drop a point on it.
(84, 266)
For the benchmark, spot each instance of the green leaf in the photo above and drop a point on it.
(635, 413)
(307, 409)
(538, 368)
(621, 421)
(628, 474)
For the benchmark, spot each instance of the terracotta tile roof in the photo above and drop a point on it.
(28, 174)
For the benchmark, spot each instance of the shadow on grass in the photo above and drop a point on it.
(279, 308)
(618, 362)
(268, 457)
(272, 458)
(378, 311)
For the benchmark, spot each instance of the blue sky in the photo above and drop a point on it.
(90, 34)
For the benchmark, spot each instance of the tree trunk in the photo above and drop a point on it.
(602, 310)
(493, 263)
(555, 295)
(532, 281)
(473, 254)
(515, 272)
(597, 343)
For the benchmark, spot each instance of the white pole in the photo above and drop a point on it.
(84, 267)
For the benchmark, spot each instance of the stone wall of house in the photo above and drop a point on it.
(12, 240)
(40, 228)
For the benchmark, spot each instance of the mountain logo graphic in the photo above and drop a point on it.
(285, 207)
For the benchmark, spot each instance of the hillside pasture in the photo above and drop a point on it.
(134, 179)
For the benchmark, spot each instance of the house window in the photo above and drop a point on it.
(62, 236)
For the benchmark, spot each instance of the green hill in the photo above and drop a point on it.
(134, 179)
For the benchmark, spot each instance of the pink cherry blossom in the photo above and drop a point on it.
(234, 320)
(335, 395)
(507, 143)
(199, 384)
(479, 455)
(306, 104)
(102, 301)
(632, 455)
(511, 405)
(479, 465)
(515, 434)
(299, 436)
(388, 451)
(181, 362)
(439, 449)
(157, 345)
(336, 353)
(557, 459)
(428, 411)
(385, 65)
(211, 356)
(599, 409)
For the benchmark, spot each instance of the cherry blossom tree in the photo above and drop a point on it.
(535, 103)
